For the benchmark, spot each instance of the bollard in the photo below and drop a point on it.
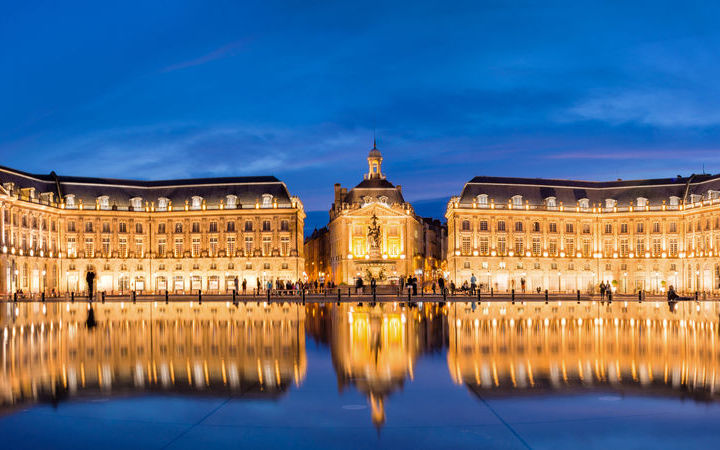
(72, 297)
(268, 295)
(609, 297)
(491, 292)
(349, 293)
(512, 294)
(234, 299)
(199, 297)
(103, 296)
(167, 297)
(133, 297)
(338, 301)
(478, 294)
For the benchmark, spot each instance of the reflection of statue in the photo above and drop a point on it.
(374, 233)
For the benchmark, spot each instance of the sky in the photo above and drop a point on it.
(451, 90)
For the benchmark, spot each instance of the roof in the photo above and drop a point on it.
(375, 188)
(248, 189)
(536, 190)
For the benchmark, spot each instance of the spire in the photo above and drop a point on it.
(374, 162)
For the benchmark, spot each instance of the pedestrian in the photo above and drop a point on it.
(433, 287)
(452, 288)
(441, 284)
(244, 285)
(237, 287)
(473, 283)
(90, 278)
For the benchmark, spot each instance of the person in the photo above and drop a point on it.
(408, 284)
(473, 283)
(90, 278)
(373, 284)
(244, 285)
(402, 283)
(602, 291)
(258, 285)
(414, 285)
(441, 284)
(433, 287)
(522, 285)
(237, 286)
(671, 294)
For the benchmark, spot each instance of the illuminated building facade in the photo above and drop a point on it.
(515, 233)
(146, 236)
(373, 232)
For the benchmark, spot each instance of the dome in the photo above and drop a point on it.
(374, 153)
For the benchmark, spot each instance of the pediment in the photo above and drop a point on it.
(378, 209)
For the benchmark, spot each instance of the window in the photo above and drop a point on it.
(608, 248)
(267, 200)
(610, 203)
(656, 227)
(673, 247)
(642, 202)
(570, 247)
(231, 201)
(88, 227)
(584, 203)
(536, 246)
(586, 228)
(640, 246)
(139, 247)
(501, 245)
(196, 202)
(123, 247)
(285, 246)
(161, 228)
(136, 203)
(608, 228)
(623, 228)
(138, 228)
(266, 225)
(213, 245)
(284, 225)
(71, 226)
(248, 225)
(569, 228)
(552, 227)
(248, 245)
(230, 246)
(673, 227)
(517, 201)
(674, 201)
(266, 246)
(178, 227)
(122, 227)
(640, 228)
(484, 245)
(552, 247)
(501, 225)
(106, 246)
(70, 201)
(518, 226)
(519, 247)
(483, 225)
(103, 202)
(231, 227)
(624, 248)
(161, 246)
(551, 203)
(178, 247)
(195, 247)
(195, 227)
(482, 200)
(657, 247)
(248, 266)
(71, 248)
(466, 245)
(212, 228)
(466, 225)
(89, 247)
(163, 203)
(536, 227)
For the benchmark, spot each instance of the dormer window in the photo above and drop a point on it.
(103, 202)
(517, 201)
(482, 200)
(713, 195)
(231, 201)
(551, 203)
(695, 198)
(267, 200)
(136, 203)
(674, 201)
(70, 201)
(196, 202)
(642, 202)
(584, 203)
(162, 204)
(610, 203)
(383, 199)
(367, 199)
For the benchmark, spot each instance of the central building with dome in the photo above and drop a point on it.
(372, 233)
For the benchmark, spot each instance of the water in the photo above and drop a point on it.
(188, 375)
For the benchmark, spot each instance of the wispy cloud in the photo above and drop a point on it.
(225, 51)
(643, 154)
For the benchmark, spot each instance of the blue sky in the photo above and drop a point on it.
(589, 90)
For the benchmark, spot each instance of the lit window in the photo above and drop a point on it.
(267, 200)
(196, 202)
(482, 200)
(641, 202)
(104, 202)
(551, 202)
(136, 203)
(231, 201)
(163, 203)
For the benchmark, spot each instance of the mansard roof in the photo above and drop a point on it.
(536, 190)
(248, 190)
(375, 188)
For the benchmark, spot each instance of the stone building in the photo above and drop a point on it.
(373, 232)
(146, 236)
(561, 235)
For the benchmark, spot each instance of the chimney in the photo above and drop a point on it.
(399, 188)
(338, 189)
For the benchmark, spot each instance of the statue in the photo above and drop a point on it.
(374, 234)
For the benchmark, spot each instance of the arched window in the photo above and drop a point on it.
(383, 199)
(466, 225)
(674, 201)
(610, 203)
(70, 201)
(482, 200)
(518, 226)
(196, 202)
(517, 201)
(267, 200)
(103, 202)
(551, 202)
(536, 227)
(642, 202)
(231, 201)
(584, 203)
(163, 203)
(136, 203)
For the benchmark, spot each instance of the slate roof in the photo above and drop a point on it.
(536, 190)
(374, 187)
(248, 189)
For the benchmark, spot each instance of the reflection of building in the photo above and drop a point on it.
(374, 348)
(48, 352)
(373, 231)
(179, 235)
(528, 348)
(568, 235)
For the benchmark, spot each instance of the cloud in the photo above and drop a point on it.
(227, 50)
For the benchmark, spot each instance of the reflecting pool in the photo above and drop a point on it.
(534, 375)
